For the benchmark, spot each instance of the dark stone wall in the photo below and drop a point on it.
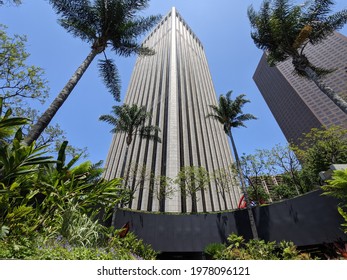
(306, 220)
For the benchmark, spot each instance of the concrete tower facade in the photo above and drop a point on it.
(175, 85)
(297, 103)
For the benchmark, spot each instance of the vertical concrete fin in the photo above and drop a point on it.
(173, 137)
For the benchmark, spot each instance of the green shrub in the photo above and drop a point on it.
(238, 249)
(212, 249)
(136, 246)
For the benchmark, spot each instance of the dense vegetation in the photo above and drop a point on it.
(52, 206)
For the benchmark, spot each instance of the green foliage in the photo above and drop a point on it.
(17, 159)
(229, 112)
(4, 230)
(42, 199)
(192, 179)
(8, 124)
(283, 191)
(21, 85)
(59, 249)
(283, 29)
(19, 82)
(238, 249)
(136, 246)
(114, 24)
(132, 120)
(337, 187)
(213, 248)
(322, 147)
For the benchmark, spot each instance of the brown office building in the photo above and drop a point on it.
(296, 103)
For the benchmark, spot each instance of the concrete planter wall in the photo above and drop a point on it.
(306, 220)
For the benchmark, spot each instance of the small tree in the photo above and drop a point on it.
(320, 148)
(163, 188)
(137, 175)
(288, 164)
(191, 180)
(225, 179)
(255, 168)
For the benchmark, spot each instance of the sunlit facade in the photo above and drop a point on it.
(175, 85)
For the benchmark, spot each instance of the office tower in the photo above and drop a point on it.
(176, 87)
(296, 103)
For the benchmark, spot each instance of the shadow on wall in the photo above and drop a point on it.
(306, 220)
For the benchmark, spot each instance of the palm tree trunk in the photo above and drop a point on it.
(243, 186)
(312, 75)
(48, 115)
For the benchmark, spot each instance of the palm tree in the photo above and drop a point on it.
(284, 30)
(229, 114)
(131, 120)
(102, 24)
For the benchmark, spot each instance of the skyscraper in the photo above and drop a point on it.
(175, 85)
(297, 103)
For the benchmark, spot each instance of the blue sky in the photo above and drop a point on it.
(222, 27)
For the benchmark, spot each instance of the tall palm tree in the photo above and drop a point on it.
(229, 113)
(284, 30)
(102, 24)
(131, 120)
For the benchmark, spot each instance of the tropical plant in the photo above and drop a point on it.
(137, 247)
(101, 23)
(212, 249)
(65, 189)
(337, 187)
(238, 249)
(52, 209)
(8, 124)
(132, 120)
(229, 113)
(284, 30)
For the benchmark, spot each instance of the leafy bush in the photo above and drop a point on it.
(212, 249)
(337, 187)
(136, 246)
(51, 210)
(238, 249)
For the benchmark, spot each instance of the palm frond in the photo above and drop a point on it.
(109, 73)
(131, 120)
(77, 17)
(150, 132)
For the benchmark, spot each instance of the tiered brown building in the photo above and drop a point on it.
(297, 103)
